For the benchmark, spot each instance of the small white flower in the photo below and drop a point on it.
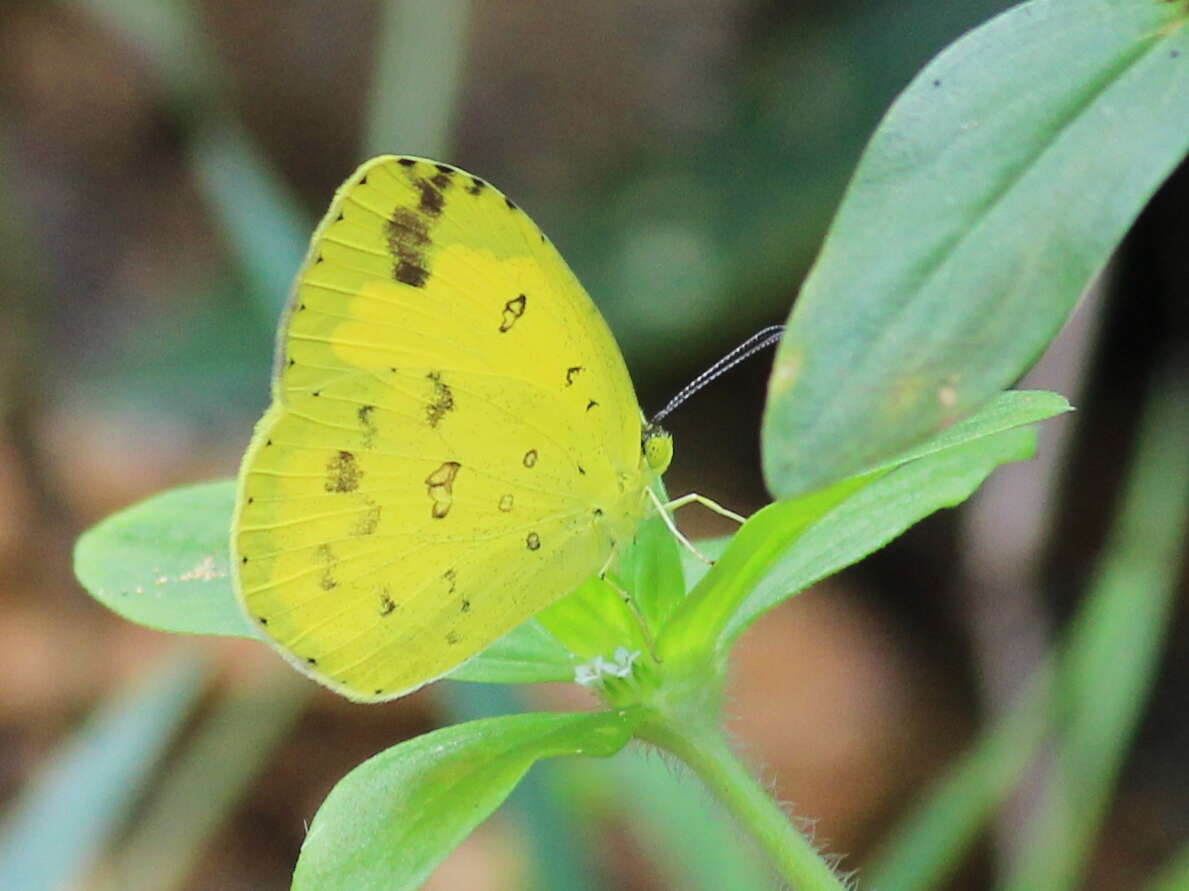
(619, 666)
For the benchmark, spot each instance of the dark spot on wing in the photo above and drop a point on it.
(324, 555)
(511, 204)
(591, 404)
(408, 239)
(405, 162)
(513, 310)
(262, 620)
(533, 541)
(530, 457)
(387, 605)
(312, 660)
(432, 200)
(451, 578)
(342, 473)
(572, 372)
(465, 606)
(440, 485)
(441, 402)
(367, 522)
(477, 185)
(453, 637)
(368, 423)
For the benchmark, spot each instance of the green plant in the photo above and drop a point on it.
(993, 191)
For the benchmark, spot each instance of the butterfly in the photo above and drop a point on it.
(453, 442)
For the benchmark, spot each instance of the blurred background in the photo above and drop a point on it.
(161, 166)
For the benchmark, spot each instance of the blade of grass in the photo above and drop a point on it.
(1115, 644)
(1175, 876)
(932, 840)
(418, 73)
(70, 810)
(262, 222)
(1108, 660)
(205, 782)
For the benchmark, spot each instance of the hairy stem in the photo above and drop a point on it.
(707, 753)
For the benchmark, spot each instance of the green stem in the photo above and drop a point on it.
(707, 753)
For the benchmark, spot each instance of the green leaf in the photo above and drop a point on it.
(58, 826)
(651, 572)
(164, 562)
(789, 545)
(879, 513)
(395, 817)
(594, 621)
(994, 189)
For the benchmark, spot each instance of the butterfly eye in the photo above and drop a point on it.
(657, 447)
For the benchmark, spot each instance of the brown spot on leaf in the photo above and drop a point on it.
(342, 473)
(477, 185)
(530, 458)
(451, 578)
(387, 604)
(506, 503)
(453, 637)
(533, 541)
(572, 372)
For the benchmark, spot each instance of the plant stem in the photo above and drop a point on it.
(707, 753)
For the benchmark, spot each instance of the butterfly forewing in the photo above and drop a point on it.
(452, 438)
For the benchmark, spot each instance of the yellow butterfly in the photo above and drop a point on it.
(453, 444)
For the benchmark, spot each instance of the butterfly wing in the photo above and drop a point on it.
(453, 444)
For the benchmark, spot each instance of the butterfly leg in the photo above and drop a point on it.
(709, 504)
(663, 510)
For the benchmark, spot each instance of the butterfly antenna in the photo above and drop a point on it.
(758, 341)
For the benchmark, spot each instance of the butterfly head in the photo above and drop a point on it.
(656, 444)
